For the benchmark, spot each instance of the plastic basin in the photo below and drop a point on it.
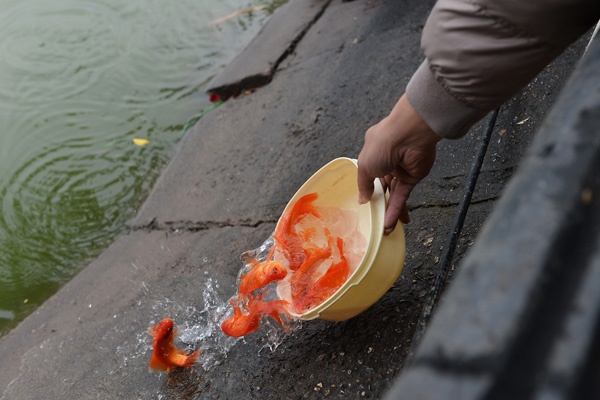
(384, 256)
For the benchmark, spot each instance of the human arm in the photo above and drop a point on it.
(478, 54)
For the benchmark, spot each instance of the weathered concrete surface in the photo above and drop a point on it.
(222, 195)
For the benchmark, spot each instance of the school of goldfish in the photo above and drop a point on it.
(306, 259)
(314, 270)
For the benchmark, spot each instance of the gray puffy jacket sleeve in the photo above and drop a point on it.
(479, 53)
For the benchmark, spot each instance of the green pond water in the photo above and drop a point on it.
(79, 80)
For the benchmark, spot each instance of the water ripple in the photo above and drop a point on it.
(56, 50)
(61, 205)
(78, 81)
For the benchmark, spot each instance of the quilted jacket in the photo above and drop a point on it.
(479, 53)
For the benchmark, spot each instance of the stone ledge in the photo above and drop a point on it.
(256, 64)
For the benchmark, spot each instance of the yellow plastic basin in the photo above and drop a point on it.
(384, 256)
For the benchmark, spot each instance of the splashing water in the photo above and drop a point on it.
(311, 254)
(204, 328)
(199, 328)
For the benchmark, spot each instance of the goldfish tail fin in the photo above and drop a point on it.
(158, 365)
(192, 358)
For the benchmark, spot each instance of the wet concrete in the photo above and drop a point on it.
(222, 195)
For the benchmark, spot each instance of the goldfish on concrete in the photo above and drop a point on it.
(166, 355)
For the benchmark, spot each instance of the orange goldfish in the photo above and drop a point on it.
(261, 275)
(166, 355)
(325, 286)
(303, 278)
(285, 235)
(241, 324)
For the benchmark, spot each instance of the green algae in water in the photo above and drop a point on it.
(78, 81)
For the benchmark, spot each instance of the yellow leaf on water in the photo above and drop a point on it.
(140, 142)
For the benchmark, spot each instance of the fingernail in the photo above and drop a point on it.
(387, 231)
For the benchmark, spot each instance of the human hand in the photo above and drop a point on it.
(400, 150)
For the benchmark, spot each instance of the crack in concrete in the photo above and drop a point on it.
(294, 43)
(197, 226)
(446, 204)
